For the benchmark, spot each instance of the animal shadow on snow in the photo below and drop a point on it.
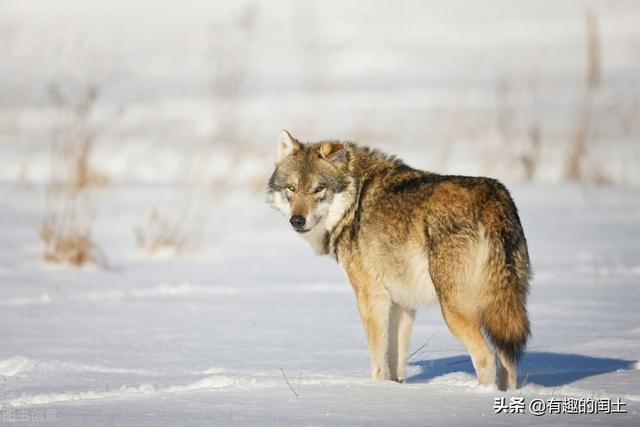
(542, 368)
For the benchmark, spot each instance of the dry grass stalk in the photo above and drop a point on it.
(75, 139)
(507, 120)
(594, 58)
(161, 234)
(584, 130)
(66, 232)
(530, 158)
(531, 155)
(231, 53)
(180, 232)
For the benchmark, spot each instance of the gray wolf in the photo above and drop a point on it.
(407, 238)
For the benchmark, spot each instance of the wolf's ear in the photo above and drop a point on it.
(287, 144)
(333, 152)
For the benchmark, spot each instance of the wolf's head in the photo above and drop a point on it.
(311, 184)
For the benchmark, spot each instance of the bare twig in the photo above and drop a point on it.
(425, 344)
(288, 383)
(525, 380)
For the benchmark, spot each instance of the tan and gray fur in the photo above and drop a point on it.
(407, 238)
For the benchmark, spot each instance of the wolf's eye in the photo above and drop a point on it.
(319, 189)
(291, 188)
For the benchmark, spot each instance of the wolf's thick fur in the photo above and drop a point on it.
(407, 238)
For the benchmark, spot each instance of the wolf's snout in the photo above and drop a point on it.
(297, 221)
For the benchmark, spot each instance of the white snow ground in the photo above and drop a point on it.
(204, 340)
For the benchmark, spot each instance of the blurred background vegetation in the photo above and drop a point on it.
(192, 94)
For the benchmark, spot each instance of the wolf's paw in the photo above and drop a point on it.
(381, 374)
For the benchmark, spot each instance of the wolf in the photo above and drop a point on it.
(407, 238)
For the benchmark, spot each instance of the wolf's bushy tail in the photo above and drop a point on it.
(504, 314)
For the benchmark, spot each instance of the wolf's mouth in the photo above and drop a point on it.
(302, 230)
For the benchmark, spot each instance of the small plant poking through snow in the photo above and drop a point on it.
(66, 231)
(159, 234)
(66, 234)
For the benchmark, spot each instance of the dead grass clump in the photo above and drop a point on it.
(180, 231)
(162, 234)
(66, 236)
(66, 231)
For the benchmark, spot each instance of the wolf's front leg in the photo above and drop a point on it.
(374, 307)
(400, 324)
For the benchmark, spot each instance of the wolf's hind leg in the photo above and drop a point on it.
(400, 324)
(507, 372)
(374, 308)
(467, 329)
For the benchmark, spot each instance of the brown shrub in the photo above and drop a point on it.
(66, 233)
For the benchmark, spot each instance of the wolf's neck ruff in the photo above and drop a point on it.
(341, 212)
(343, 215)
(323, 236)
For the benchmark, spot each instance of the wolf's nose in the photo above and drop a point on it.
(297, 221)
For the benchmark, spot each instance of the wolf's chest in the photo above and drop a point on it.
(317, 237)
